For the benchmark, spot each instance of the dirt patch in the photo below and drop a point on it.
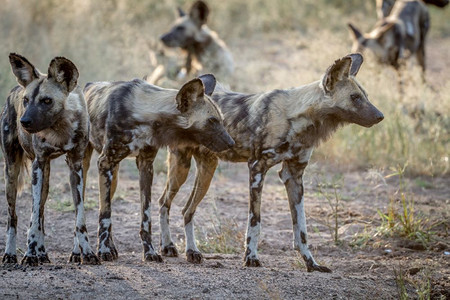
(358, 273)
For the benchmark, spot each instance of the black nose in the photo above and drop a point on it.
(163, 38)
(26, 122)
(380, 117)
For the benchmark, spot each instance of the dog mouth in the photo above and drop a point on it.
(30, 130)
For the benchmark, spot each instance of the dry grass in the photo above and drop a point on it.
(276, 44)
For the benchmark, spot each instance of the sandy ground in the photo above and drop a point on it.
(358, 273)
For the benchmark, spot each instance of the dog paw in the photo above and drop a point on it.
(90, 259)
(153, 257)
(43, 259)
(170, 251)
(252, 262)
(194, 256)
(75, 258)
(318, 268)
(107, 255)
(9, 259)
(32, 261)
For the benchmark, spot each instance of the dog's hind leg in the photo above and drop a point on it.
(206, 166)
(291, 174)
(144, 162)
(179, 163)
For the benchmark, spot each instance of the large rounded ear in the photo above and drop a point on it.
(357, 60)
(209, 82)
(64, 72)
(355, 32)
(199, 13)
(335, 73)
(188, 94)
(24, 71)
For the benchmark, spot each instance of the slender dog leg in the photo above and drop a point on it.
(257, 172)
(40, 183)
(108, 168)
(144, 162)
(12, 169)
(76, 252)
(206, 166)
(77, 183)
(292, 176)
(179, 162)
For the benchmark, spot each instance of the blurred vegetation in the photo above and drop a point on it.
(276, 44)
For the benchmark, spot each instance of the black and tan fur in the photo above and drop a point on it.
(134, 118)
(384, 7)
(205, 51)
(281, 126)
(398, 36)
(43, 118)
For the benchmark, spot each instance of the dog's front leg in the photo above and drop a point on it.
(12, 171)
(39, 185)
(257, 172)
(144, 162)
(206, 165)
(179, 163)
(291, 174)
(82, 251)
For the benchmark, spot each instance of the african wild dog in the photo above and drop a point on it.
(281, 126)
(399, 35)
(202, 45)
(384, 7)
(45, 117)
(134, 118)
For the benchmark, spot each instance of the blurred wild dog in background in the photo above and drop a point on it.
(398, 36)
(43, 118)
(134, 118)
(384, 7)
(281, 126)
(205, 51)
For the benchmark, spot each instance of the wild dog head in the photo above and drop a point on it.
(349, 102)
(381, 42)
(43, 95)
(185, 32)
(204, 119)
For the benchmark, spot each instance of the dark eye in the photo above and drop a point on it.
(355, 97)
(46, 101)
(25, 101)
(213, 120)
(179, 28)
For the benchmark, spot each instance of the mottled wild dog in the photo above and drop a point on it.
(384, 7)
(134, 118)
(398, 36)
(43, 118)
(281, 126)
(202, 45)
